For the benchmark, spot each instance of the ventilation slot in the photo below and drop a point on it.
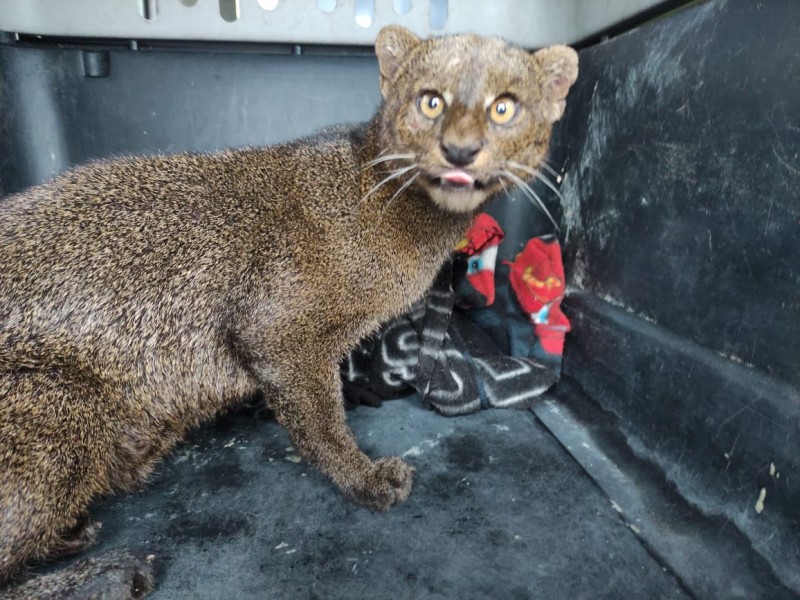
(148, 9)
(402, 7)
(229, 10)
(365, 13)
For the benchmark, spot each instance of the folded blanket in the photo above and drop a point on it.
(458, 364)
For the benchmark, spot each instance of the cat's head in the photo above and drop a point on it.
(469, 112)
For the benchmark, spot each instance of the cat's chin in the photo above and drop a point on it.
(457, 200)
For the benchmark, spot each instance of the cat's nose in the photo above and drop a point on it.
(461, 156)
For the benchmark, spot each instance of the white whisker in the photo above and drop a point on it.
(531, 195)
(399, 191)
(538, 176)
(393, 175)
(404, 186)
(386, 158)
(552, 171)
(505, 189)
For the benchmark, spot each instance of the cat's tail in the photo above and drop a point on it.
(115, 575)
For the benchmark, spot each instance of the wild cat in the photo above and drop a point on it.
(139, 297)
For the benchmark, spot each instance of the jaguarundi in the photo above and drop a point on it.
(142, 296)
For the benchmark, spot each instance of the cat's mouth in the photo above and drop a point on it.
(458, 190)
(457, 179)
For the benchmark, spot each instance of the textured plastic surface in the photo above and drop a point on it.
(683, 204)
(690, 150)
(529, 22)
(499, 510)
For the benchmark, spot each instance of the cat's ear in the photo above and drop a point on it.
(391, 45)
(559, 65)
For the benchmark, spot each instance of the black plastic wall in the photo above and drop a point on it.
(692, 141)
(683, 202)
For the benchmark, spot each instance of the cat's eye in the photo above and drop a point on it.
(503, 110)
(431, 105)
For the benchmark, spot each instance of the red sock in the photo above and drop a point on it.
(537, 277)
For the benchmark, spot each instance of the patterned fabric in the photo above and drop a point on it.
(456, 364)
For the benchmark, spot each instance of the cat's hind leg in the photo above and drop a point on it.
(55, 446)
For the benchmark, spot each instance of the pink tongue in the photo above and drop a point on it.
(458, 177)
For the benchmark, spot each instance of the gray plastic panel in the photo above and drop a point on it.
(530, 23)
(162, 101)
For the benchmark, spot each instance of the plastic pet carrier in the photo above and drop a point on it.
(665, 463)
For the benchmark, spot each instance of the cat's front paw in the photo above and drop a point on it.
(388, 483)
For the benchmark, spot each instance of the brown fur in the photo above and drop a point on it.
(140, 297)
